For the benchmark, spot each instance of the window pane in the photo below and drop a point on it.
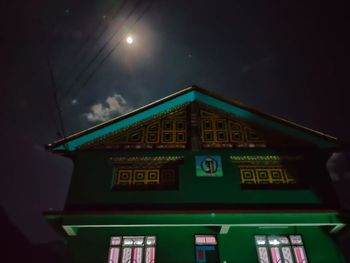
(127, 255)
(210, 240)
(275, 255)
(283, 240)
(200, 240)
(296, 240)
(205, 239)
(127, 242)
(150, 255)
(260, 240)
(133, 241)
(113, 255)
(262, 253)
(137, 255)
(150, 240)
(115, 241)
(273, 240)
(299, 254)
(287, 255)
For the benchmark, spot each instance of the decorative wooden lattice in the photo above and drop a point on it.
(219, 129)
(168, 130)
(147, 173)
(268, 171)
(194, 125)
(265, 176)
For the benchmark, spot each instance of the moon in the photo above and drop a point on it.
(129, 40)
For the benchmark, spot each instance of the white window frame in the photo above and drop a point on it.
(280, 249)
(132, 249)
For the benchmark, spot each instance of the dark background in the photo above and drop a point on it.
(287, 58)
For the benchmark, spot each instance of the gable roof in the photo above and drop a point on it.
(189, 95)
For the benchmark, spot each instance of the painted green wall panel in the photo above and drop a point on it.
(93, 177)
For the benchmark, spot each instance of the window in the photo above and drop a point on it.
(132, 249)
(270, 171)
(206, 249)
(280, 249)
(146, 173)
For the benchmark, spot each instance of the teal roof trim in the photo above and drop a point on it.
(113, 127)
(187, 96)
(245, 114)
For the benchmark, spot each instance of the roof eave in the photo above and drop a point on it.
(63, 141)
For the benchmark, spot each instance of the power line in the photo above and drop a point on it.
(82, 56)
(61, 129)
(54, 87)
(110, 52)
(87, 66)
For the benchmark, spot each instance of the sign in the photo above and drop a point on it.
(209, 165)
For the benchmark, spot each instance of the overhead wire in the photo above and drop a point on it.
(82, 50)
(95, 57)
(89, 77)
(60, 127)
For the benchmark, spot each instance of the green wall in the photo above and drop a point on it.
(176, 244)
(93, 175)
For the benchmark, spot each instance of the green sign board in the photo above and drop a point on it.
(209, 165)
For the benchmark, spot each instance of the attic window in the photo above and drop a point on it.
(146, 173)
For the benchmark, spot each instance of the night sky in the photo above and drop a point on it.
(287, 58)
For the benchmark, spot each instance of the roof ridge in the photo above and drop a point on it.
(203, 91)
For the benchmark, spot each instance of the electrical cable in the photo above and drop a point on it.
(82, 54)
(104, 46)
(109, 53)
(61, 128)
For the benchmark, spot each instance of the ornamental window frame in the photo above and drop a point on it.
(142, 249)
(268, 172)
(146, 173)
(287, 248)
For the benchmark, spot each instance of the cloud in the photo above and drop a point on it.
(114, 105)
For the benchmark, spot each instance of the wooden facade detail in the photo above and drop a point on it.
(222, 130)
(146, 173)
(192, 126)
(168, 130)
(269, 171)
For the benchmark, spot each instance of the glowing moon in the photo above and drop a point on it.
(129, 40)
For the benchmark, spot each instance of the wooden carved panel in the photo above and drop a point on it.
(221, 130)
(168, 130)
(146, 173)
(259, 172)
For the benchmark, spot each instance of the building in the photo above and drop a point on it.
(195, 177)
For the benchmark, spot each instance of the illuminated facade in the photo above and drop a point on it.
(199, 178)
